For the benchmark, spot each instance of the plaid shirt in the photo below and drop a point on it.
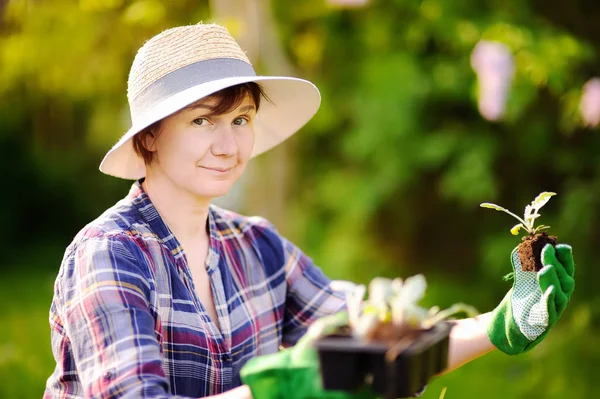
(126, 322)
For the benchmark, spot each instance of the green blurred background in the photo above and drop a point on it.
(385, 180)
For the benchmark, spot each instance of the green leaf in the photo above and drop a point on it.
(515, 230)
(499, 208)
(528, 212)
(541, 227)
(509, 276)
(542, 199)
(493, 206)
(531, 218)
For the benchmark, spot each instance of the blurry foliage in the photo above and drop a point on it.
(388, 175)
(63, 80)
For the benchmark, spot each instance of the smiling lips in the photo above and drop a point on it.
(220, 170)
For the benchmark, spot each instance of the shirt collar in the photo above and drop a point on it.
(150, 214)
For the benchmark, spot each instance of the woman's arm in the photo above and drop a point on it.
(309, 294)
(107, 334)
(109, 326)
(469, 340)
(242, 392)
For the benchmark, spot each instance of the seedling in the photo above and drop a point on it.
(387, 341)
(530, 249)
(392, 309)
(531, 213)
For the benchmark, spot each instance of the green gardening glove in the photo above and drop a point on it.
(294, 373)
(535, 301)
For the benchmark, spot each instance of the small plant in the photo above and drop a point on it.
(530, 249)
(531, 213)
(386, 341)
(391, 311)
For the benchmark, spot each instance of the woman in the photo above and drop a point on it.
(165, 294)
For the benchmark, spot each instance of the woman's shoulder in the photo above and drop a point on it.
(116, 223)
(111, 243)
(234, 223)
(248, 231)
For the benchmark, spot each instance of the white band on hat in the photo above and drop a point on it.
(185, 78)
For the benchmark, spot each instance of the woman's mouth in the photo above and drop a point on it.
(218, 169)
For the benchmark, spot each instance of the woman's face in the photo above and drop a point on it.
(202, 153)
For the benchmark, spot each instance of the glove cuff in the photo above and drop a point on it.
(504, 333)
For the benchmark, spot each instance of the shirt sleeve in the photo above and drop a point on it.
(109, 327)
(309, 294)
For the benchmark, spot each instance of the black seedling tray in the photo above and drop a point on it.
(347, 363)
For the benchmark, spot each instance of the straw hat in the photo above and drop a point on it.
(182, 65)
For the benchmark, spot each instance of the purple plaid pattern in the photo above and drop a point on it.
(126, 322)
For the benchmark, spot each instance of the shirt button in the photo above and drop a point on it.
(109, 375)
(225, 357)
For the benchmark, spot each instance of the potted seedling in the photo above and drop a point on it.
(530, 248)
(387, 341)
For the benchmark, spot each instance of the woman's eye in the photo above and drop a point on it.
(240, 121)
(201, 121)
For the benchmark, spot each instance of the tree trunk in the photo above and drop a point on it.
(264, 186)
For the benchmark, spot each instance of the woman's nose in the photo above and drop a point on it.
(224, 144)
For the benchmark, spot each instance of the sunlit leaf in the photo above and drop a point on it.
(542, 199)
(493, 206)
(515, 230)
(144, 13)
(532, 218)
(499, 208)
(540, 228)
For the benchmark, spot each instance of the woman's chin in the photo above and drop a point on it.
(213, 190)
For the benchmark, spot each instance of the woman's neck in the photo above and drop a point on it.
(185, 214)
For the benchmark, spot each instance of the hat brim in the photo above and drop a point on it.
(293, 102)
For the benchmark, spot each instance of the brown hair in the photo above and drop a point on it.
(228, 99)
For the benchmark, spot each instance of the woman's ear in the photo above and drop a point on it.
(149, 140)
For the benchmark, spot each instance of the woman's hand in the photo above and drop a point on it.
(294, 373)
(525, 315)
(535, 302)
